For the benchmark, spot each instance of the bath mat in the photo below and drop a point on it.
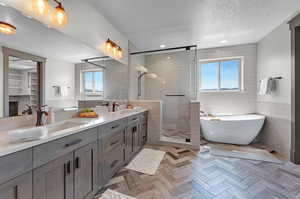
(147, 161)
(110, 194)
(244, 155)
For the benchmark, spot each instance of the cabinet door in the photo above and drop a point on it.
(136, 138)
(85, 171)
(17, 188)
(131, 141)
(144, 128)
(54, 180)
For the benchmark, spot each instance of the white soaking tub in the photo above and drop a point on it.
(234, 129)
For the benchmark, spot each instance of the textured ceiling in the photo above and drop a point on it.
(150, 23)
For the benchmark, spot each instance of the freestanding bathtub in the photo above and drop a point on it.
(236, 129)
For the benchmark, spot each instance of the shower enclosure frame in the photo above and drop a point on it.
(192, 85)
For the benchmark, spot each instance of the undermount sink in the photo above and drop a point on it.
(27, 134)
(35, 133)
(60, 126)
(128, 111)
(124, 112)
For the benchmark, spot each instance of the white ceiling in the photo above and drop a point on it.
(36, 38)
(150, 23)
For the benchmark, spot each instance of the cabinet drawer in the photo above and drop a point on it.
(133, 119)
(52, 150)
(111, 127)
(112, 162)
(15, 164)
(113, 140)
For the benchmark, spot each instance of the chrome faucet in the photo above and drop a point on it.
(39, 115)
(114, 105)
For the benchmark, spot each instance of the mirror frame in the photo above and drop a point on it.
(41, 62)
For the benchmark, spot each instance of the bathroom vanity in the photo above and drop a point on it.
(71, 163)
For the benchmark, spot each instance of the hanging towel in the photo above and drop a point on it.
(267, 86)
(64, 91)
(57, 90)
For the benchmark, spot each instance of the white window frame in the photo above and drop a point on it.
(93, 93)
(241, 74)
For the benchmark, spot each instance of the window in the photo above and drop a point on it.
(220, 75)
(93, 82)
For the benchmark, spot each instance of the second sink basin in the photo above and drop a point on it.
(60, 126)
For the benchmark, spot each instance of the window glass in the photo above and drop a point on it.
(88, 81)
(220, 75)
(209, 76)
(98, 81)
(229, 75)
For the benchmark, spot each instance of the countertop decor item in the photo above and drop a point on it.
(88, 113)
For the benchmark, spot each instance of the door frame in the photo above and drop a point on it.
(41, 62)
(295, 88)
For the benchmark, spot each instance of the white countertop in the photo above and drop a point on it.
(7, 147)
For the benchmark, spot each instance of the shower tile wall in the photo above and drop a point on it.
(173, 68)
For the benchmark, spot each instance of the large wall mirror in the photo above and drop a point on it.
(43, 66)
(23, 81)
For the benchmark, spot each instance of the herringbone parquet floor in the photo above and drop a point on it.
(185, 174)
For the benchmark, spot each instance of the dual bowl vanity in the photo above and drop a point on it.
(74, 160)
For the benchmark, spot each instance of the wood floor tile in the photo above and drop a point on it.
(187, 174)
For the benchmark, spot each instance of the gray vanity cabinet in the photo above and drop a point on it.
(85, 171)
(54, 180)
(131, 140)
(111, 144)
(69, 167)
(143, 129)
(17, 188)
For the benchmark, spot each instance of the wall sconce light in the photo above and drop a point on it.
(7, 29)
(113, 49)
(58, 16)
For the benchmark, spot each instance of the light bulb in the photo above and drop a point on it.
(7, 29)
(59, 16)
(40, 7)
(108, 46)
(120, 53)
(114, 51)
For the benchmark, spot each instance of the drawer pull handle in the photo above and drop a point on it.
(67, 168)
(113, 143)
(116, 126)
(134, 129)
(73, 143)
(113, 164)
(77, 163)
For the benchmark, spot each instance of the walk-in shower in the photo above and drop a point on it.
(169, 75)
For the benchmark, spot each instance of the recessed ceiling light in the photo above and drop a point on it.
(223, 41)
(168, 57)
(162, 46)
